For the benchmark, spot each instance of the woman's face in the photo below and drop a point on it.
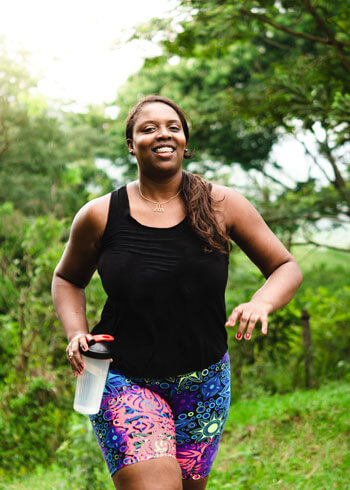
(158, 141)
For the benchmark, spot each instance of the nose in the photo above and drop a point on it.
(163, 132)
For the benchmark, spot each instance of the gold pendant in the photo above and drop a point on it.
(159, 207)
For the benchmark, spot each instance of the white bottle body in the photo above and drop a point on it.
(90, 385)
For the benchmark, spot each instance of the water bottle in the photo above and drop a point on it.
(90, 384)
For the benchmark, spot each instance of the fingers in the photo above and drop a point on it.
(74, 357)
(264, 324)
(235, 315)
(251, 325)
(248, 316)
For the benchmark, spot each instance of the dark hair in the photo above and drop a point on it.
(195, 192)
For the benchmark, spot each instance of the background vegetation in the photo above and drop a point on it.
(248, 76)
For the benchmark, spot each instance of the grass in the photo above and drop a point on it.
(309, 256)
(296, 441)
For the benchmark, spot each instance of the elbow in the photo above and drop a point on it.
(59, 278)
(293, 271)
(295, 274)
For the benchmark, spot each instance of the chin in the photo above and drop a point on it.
(163, 169)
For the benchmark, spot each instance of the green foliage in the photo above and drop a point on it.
(46, 154)
(36, 390)
(244, 82)
(203, 86)
(249, 73)
(275, 363)
(80, 452)
(32, 424)
(36, 383)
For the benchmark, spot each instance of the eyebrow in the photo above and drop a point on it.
(155, 122)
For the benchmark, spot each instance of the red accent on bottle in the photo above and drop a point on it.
(102, 338)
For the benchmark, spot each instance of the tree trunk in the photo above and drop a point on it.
(307, 343)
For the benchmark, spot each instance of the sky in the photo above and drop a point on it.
(73, 43)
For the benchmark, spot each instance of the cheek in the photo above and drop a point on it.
(183, 141)
(141, 145)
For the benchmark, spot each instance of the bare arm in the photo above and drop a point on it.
(258, 242)
(73, 273)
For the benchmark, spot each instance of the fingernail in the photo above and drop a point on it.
(231, 322)
(247, 336)
(85, 347)
(238, 336)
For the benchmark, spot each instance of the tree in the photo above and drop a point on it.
(252, 72)
(46, 154)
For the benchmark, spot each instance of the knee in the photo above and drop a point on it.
(155, 474)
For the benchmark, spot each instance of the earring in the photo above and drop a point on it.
(131, 152)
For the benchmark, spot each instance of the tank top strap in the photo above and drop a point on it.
(119, 206)
(118, 209)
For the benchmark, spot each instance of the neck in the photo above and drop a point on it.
(160, 190)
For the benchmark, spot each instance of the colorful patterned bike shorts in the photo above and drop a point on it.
(180, 416)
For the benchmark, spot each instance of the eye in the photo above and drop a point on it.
(148, 129)
(174, 128)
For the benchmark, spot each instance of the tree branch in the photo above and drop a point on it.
(305, 217)
(274, 179)
(339, 181)
(308, 152)
(323, 40)
(330, 34)
(276, 44)
(324, 245)
(263, 18)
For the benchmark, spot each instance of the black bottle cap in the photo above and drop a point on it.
(98, 347)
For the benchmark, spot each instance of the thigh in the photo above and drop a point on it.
(200, 408)
(133, 424)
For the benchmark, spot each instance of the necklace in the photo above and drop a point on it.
(159, 205)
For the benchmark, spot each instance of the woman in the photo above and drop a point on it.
(161, 248)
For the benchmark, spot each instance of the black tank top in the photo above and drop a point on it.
(166, 295)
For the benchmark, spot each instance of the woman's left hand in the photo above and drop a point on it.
(248, 314)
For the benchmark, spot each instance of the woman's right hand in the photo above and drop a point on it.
(73, 354)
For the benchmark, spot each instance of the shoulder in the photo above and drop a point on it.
(232, 204)
(91, 219)
(224, 193)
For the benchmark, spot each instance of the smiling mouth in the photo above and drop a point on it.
(164, 149)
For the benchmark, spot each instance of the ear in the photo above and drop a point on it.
(130, 146)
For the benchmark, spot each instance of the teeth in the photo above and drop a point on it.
(164, 149)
